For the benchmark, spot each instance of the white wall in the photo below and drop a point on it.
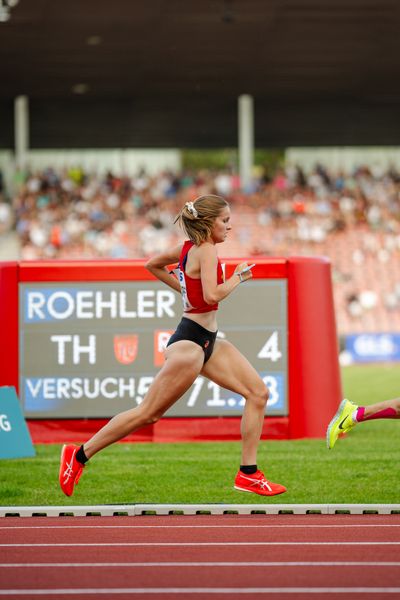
(346, 158)
(119, 161)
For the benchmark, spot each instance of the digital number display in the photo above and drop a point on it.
(93, 349)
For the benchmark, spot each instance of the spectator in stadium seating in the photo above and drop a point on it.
(349, 415)
(353, 305)
(193, 349)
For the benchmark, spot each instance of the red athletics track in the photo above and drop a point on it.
(235, 556)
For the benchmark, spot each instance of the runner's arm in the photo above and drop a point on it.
(212, 291)
(157, 266)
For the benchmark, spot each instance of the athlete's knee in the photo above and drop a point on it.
(151, 419)
(396, 406)
(149, 416)
(258, 396)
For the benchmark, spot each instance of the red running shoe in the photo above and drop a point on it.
(257, 484)
(70, 469)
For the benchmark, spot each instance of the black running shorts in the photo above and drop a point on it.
(193, 332)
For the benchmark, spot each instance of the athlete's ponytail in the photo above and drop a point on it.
(197, 218)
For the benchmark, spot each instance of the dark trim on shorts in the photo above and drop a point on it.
(193, 332)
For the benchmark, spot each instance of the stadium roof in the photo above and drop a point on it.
(316, 60)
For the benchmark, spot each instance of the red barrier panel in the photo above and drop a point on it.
(168, 429)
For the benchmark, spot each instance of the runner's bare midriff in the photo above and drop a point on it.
(207, 320)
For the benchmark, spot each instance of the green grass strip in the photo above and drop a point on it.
(361, 469)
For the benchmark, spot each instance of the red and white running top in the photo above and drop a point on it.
(191, 288)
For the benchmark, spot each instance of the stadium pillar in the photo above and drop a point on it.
(21, 130)
(246, 139)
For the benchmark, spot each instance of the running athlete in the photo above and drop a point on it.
(349, 414)
(193, 349)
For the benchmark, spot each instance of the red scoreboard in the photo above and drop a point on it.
(83, 340)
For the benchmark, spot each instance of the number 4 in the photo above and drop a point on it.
(270, 349)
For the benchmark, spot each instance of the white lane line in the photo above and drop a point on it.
(137, 544)
(202, 564)
(172, 591)
(199, 526)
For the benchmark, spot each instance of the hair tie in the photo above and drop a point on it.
(191, 209)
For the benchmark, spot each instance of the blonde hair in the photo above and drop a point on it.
(197, 218)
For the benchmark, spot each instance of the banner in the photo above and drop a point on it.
(15, 440)
(373, 347)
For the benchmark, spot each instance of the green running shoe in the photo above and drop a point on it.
(342, 422)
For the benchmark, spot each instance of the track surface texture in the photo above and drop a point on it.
(203, 556)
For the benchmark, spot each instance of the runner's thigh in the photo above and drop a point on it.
(230, 369)
(184, 361)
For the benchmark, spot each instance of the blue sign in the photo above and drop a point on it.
(15, 440)
(373, 347)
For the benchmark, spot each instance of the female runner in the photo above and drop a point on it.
(193, 349)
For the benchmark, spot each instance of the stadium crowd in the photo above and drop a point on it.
(354, 219)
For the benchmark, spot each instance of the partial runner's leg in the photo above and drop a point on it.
(230, 369)
(183, 363)
(388, 409)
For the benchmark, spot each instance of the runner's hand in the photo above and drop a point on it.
(244, 271)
